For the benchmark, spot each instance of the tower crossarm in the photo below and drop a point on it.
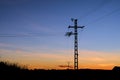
(77, 27)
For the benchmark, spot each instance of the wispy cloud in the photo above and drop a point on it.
(33, 58)
(11, 2)
(4, 45)
(48, 60)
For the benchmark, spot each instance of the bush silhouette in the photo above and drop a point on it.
(10, 66)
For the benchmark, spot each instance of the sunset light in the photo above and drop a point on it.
(32, 33)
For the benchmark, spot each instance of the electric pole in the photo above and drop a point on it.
(75, 41)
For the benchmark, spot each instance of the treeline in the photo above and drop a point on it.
(4, 65)
(12, 71)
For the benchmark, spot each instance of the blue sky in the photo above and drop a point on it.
(40, 26)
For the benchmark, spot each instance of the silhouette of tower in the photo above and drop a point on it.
(75, 41)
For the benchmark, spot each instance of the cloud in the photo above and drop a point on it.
(4, 45)
(94, 56)
(50, 60)
(33, 59)
(11, 2)
(98, 59)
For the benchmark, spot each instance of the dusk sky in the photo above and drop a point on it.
(32, 33)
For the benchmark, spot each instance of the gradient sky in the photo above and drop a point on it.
(32, 33)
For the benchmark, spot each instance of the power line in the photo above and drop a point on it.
(102, 17)
(102, 4)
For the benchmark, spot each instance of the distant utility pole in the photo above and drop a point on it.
(68, 65)
(75, 41)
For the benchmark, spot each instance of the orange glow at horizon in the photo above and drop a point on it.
(41, 60)
(94, 66)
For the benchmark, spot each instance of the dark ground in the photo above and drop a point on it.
(13, 72)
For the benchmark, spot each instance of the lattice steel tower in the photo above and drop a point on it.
(75, 41)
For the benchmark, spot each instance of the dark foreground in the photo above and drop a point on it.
(60, 75)
(14, 73)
